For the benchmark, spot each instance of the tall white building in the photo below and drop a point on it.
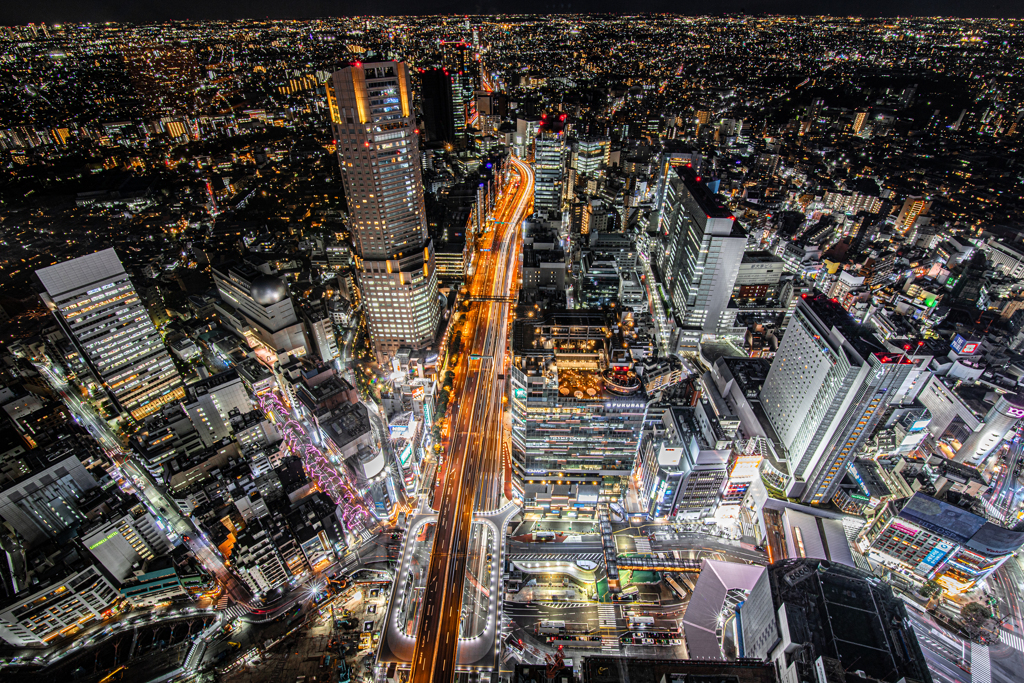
(95, 303)
(374, 128)
(829, 384)
(999, 421)
(549, 162)
(702, 247)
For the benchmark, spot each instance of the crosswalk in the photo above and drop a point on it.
(236, 610)
(1012, 639)
(981, 664)
(643, 545)
(607, 615)
(567, 557)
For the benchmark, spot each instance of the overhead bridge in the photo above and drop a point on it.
(505, 299)
(656, 564)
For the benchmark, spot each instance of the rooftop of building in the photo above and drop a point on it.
(599, 669)
(849, 615)
(346, 423)
(205, 386)
(704, 197)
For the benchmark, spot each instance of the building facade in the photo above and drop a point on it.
(549, 166)
(827, 389)
(96, 304)
(701, 249)
(374, 126)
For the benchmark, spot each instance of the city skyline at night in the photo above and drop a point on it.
(514, 347)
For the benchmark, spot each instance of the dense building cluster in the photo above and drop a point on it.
(771, 282)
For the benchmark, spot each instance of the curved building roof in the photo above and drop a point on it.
(267, 290)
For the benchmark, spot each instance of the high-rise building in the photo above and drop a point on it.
(320, 327)
(95, 303)
(591, 155)
(577, 410)
(125, 540)
(43, 503)
(1000, 419)
(913, 207)
(549, 160)
(438, 114)
(701, 250)
(859, 121)
(374, 126)
(828, 387)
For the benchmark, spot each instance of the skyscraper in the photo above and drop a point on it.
(914, 207)
(702, 247)
(828, 387)
(549, 156)
(374, 127)
(438, 115)
(96, 305)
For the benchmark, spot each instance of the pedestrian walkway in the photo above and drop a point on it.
(565, 557)
(610, 643)
(643, 545)
(1012, 639)
(607, 615)
(981, 664)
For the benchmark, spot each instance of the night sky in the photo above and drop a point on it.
(56, 11)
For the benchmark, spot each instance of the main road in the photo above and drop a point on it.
(473, 478)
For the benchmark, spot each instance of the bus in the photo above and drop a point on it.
(640, 623)
(550, 628)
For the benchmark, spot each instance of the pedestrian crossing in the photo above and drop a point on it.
(643, 545)
(558, 605)
(235, 611)
(1012, 639)
(610, 643)
(607, 615)
(981, 664)
(567, 557)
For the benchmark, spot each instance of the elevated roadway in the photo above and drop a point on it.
(474, 476)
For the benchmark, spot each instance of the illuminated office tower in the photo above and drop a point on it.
(95, 303)
(591, 155)
(702, 247)
(374, 127)
(829, 384)
(859, 121)
(549, 157)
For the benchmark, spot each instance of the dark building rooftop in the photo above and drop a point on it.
(846, 614)
(636, 670)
